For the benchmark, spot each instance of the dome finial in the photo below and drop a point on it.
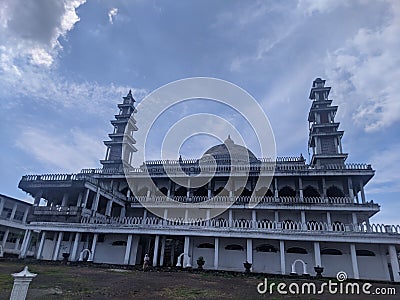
(229, 140)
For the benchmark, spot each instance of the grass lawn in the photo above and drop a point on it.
(57, 281)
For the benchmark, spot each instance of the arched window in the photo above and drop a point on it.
(119, 243)
(162, 191)
(243, 192)
(221, 191)
(266, 248)
(310, 191)
(331, 252)
(264, 192)
(364, 253)
(142, 192)
(297, 250)
(201, 191)
(234, 247)
(334, 191)
(287, 191)
(181, 192)
(206, 246)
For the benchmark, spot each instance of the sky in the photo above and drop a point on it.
(64, 66)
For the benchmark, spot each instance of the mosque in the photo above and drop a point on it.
(283, 216)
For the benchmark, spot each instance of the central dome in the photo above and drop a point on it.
(230, 152)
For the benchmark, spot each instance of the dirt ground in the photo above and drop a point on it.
(58, 281)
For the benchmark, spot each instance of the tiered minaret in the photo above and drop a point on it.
(122, 137)
(324, 137)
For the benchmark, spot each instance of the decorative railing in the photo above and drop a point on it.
(241, 200)
(60, 210)
(260, 225)
(154, 167)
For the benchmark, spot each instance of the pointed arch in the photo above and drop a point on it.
(310, 191)
(287, 191)
(334, 191)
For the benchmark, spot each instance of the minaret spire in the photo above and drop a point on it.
(324, 136)
(121, 147)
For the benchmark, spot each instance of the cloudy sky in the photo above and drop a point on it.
(64, 65)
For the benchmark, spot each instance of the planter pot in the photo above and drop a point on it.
(319, 271)
(247, 267)
(200, 264)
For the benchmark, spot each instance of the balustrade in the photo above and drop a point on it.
(243, 224)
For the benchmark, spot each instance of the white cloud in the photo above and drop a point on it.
(366, 72)
(111, 14)
(310, 7)
(387, 178)
(64, 153)
(34, 31)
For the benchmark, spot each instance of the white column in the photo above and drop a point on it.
(123, 212)
(64, 199)
(354, 218)
(162, 251)
(93, 248)
(328, 220)
(17, 244)
(38, 196)
(14, 209)
(301, 189)
(186, 214)
(79, 200)
(75, 246)
(276, 216)
(5, 237)
(254, 218)
(144, 216)
(135, 245)
(109, 207)
(354, 261)
(155, 254)
(230, 218)
(350, 185)
(249, 251)
(86, 198)
(41, 244)
(216, 253)
(165, 215)
(394, 262)
(303, 220)
(282, 254)
(276, 195)
(317, 254)
(57, 247)
(95, 203)
(2, 200)
(323, 187)
(128, 249)
(25, 214)
(186, 259)
(25, 243)
(362, 192)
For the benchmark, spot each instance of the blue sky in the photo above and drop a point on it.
(64, 65)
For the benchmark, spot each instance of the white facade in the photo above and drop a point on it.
(316, 212)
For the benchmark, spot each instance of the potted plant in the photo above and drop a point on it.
(318, 270)
(200, 262)
(247, 266)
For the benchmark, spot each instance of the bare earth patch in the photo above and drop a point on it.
(57, 281)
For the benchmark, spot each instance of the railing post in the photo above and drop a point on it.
(21, 284)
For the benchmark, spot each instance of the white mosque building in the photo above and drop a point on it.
(313, 212)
